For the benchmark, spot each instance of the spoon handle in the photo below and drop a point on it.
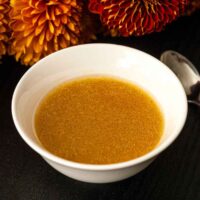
(194, 97)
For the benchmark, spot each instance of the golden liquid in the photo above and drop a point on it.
(98, 120)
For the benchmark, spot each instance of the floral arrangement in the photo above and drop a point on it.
(4, 28)
(32, 29)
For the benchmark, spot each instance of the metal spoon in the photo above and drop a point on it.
(186, 72)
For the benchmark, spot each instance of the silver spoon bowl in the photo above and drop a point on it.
(186, 72)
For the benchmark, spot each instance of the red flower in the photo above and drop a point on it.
(137, 17)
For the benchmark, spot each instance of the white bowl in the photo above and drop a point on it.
(104, 59)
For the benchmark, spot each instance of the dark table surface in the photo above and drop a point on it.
(175, 174)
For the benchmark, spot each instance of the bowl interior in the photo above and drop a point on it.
(99, 59)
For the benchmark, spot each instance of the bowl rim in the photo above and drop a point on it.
(98, 167)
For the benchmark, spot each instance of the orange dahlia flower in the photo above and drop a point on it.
(41, 27)
(137, 17)
(4, 9)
